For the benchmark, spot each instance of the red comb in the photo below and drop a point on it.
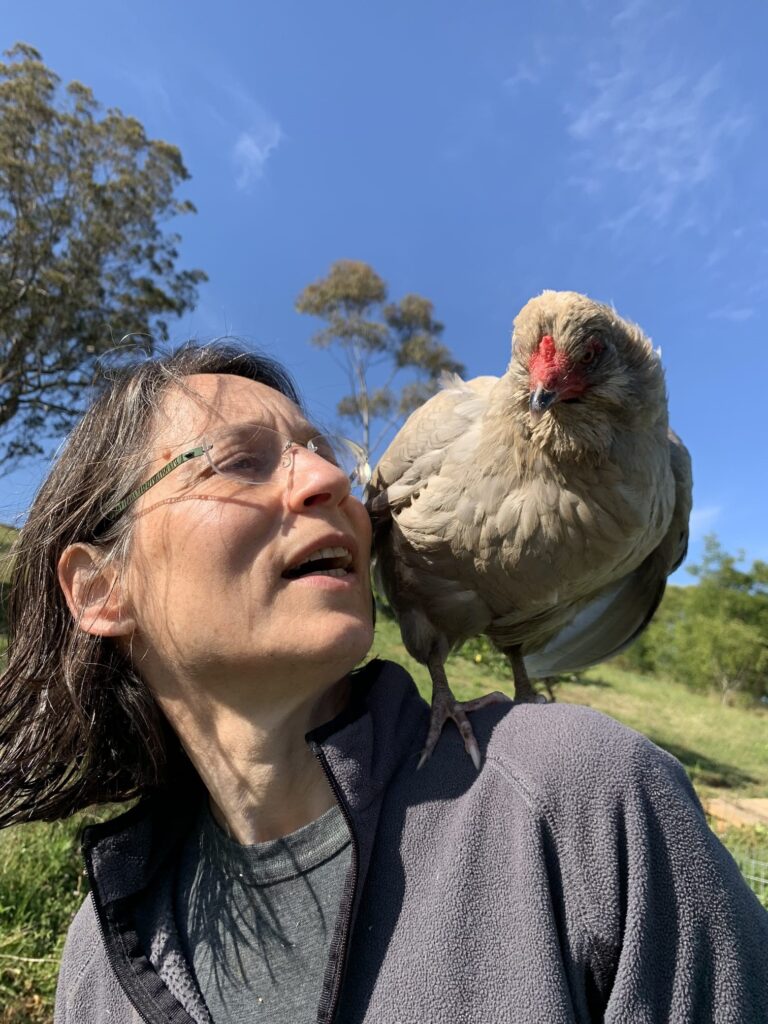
(547, 347)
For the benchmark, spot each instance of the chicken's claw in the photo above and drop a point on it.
(445, 706)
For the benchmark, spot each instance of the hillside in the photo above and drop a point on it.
(7, 535)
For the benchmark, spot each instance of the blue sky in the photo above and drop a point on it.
(475, 154)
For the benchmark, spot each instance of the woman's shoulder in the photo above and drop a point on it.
(563, 759)
(572, 728)
(83, 939)
(569, 755)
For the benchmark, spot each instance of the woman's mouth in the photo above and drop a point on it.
(333, 561)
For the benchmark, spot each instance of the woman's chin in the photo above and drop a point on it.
(352, 642)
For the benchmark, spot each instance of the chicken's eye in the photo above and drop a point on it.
(594, 347)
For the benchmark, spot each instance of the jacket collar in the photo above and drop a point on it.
(363, 747)
(130, 858)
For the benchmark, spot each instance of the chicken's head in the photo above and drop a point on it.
(579, 370)
(559, 375)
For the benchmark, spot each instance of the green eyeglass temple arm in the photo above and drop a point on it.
(129, 499)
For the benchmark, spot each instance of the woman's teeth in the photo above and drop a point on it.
(336, 561)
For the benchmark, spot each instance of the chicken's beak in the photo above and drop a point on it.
(541, 401)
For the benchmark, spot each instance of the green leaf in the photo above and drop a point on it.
(368, 333)
(84, 257)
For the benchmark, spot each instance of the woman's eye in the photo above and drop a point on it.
(243, 463)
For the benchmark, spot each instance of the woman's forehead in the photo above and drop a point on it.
(208, 401)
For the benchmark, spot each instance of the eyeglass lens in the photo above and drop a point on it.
(254, 453)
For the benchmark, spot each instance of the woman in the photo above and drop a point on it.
(190, 599)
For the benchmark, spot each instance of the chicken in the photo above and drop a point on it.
(544, 508)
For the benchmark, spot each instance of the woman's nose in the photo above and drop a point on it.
(313, 480)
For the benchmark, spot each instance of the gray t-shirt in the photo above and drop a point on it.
(256, 921)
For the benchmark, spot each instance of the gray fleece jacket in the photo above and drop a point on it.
(573, 879)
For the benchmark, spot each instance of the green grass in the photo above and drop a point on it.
(7, 537)
(42, 882)
(724, 749)
(749, 848)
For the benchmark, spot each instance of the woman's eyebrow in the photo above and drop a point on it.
(301, 431)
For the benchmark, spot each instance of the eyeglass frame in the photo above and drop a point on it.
(111, 517)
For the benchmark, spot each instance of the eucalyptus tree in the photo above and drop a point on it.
(390, 352)
(86, 258)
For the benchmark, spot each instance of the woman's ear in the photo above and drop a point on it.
(93, 592)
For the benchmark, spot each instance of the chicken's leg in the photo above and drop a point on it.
(524, 691)
(445, 706)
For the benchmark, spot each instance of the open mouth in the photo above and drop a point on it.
(325, 562)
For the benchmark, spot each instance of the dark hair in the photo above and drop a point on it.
(78, 726)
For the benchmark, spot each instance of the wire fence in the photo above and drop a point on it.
(756, 874)
(748, 845)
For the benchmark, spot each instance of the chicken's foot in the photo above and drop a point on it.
(445, 706)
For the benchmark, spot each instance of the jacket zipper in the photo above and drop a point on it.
(108, 951)
(117, 968)
(327, 1015)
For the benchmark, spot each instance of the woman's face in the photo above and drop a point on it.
(207, 581)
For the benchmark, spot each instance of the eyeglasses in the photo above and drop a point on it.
(255, 454)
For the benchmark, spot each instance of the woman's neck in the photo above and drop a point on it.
(263, 780)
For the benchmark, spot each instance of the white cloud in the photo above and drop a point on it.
(630, 11)
(532, 69)
(702, 520)
(253, 132)
(249, 135)
(653, 129)
(150, 85)
(252, 149)
(524, 74)
(734, 314)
